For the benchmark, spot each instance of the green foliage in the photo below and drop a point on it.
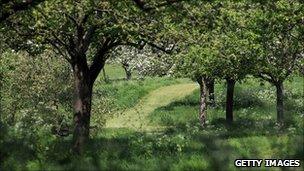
(222, 45)
(36, 103)
(57, 24)
(280, 31)
(198, 61)
(238, 38)
(34, 93)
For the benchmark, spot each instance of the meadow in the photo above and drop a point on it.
(151, 84)
(148, 132)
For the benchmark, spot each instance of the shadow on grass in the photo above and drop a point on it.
(115, 80)
(172, 105)
(218, 145)
(242, 99)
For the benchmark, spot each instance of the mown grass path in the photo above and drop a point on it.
(137, 119)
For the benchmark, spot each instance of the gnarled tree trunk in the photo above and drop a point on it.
(280, 103)
(83, 99)
(203, 101)
(229, 100)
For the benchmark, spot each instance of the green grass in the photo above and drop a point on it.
(115, 72)
(126, 94)
(251, 102)
(254, 134)
(136, 117)
(183, 145)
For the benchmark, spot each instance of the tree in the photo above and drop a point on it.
(235, 62)
(280, 26)
(126, 57)
(238, 46)
(84, 33)
(193, 29)
(198, 64)
(146, 61)
(224, 37)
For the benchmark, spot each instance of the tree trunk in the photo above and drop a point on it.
(105, 77)
(229, 100)
(280, 103)
(210, 87)
(128, 75)
(127, 71)
(203, 101)
(83, 93)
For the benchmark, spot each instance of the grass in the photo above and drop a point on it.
(126, 94)
(183, 144)
(119, 95)
(136, 117)
(254, 134)
(252, 102)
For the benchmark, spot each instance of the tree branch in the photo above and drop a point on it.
(63, 54)
(139, 45)
(163, 49)
(100, 59)
(267, 77)
(71, 18)
(87, 38)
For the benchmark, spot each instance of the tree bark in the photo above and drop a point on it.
(229, 100)
(85, 77)
(210, 88)
(203, 101)
(82, 107)
(127, 71)
(280, 103)
(128, 75)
